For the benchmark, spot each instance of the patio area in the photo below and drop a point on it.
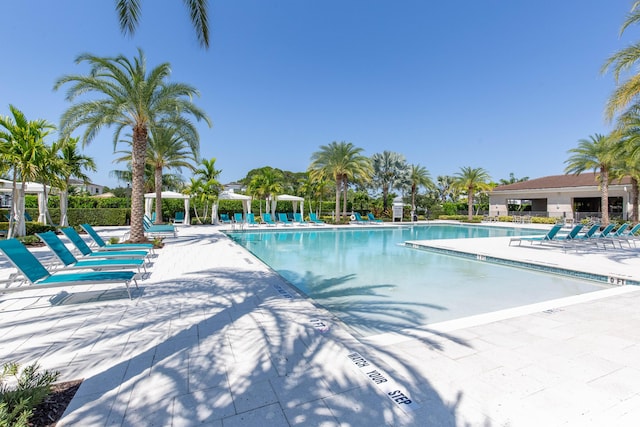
(214, 337)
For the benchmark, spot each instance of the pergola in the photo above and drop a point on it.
(150, 197)
(6, 186)
(230, 195)
(293, 199)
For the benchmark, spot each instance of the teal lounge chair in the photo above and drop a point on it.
(224, 218)
(85, 250)
(359, 219)
(588, 234)
(266, 217)
(39, 277)
(284, 219)
(314, 218)
(568, 238)
(69, 261)
(251, 220)
(372, 218)
(238, 218)
(158, 230)
(27, 217)
(630, 236)
(103, 246)
(178, 218)
(614, 237)
(297, 218)
(547, 237)
(600, 237)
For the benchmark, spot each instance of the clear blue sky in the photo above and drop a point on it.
(508, 86)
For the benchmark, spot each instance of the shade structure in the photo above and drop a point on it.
(295, 200)
(230, 195)
(6, 186)
(150, 197)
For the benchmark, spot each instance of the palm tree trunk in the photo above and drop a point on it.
(604, 202)
(338, 186)
(413, 200)
(345, 185)
(64, 206)
(634, 200)
(157, 178)
(138, 152)
(385, 196)
(46, 203)
(20, 228)
(470, 204)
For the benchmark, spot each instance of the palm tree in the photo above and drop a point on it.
(171, 148)
(131, 97)
(388, 170)
(626, 147)
(209, 186)
(23, 151)
(445, 188)
(625, 59)
(313, 190)
(418, 177)
(50, 175)
(267, 182)
(472, 180)
(75, 165)
(129, 15)
(512, 179)
(194, 190)
(595, 153)
(340, 162)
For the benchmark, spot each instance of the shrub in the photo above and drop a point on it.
(31, 387)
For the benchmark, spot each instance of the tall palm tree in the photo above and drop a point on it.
(597, 153)
(472, 180)
(131, 97)
(23, 151)
(129, 15)
(388, 170)
(626, 146)
(267, 182)
(418, 177)
(339, 162)
(75, 166)
(625, 59)
(171, 148)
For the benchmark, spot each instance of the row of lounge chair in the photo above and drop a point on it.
(267, 219)
(576, 236)
(370, 219)
(158, 230)
(93, 267)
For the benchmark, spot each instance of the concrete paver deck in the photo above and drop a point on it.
(214, 337)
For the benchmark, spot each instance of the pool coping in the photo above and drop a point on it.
(432, 246)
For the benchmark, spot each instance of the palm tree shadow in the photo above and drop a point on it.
(364, 309)
(225, 341)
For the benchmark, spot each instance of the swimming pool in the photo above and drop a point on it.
(374, 284)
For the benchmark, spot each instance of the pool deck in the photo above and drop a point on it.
(216, 338)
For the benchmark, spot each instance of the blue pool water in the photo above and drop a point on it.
(374, 284)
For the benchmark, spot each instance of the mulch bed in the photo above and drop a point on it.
(49, 412)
